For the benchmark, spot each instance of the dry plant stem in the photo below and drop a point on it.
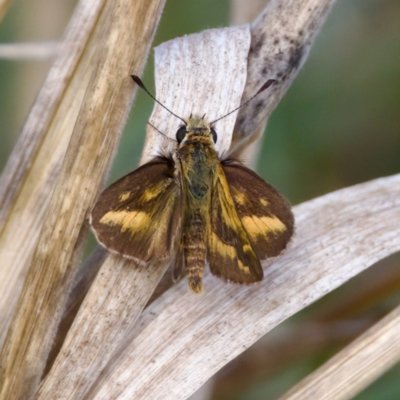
(115, 300)
(82, 283)
(280, 40)
(4, 4)
(92, 145)
(178, 351)
(46, 105)
(28, 180)
(356, 366)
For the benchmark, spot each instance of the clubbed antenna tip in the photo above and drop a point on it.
(265, 86)
(139, 82)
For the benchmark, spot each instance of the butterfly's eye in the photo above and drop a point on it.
(214, 135)
(181, 133)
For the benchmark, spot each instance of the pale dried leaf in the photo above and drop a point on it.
(82, 282)
(199, 74)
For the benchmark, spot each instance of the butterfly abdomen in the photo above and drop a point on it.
(194, 249)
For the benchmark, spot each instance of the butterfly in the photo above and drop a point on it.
(192, 209)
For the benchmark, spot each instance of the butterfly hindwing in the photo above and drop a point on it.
(230, 253)
(265, 214)
(139, 216)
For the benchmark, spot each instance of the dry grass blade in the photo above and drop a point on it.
(28, 180)
(356, 366)
(82, 283)
(180, 333)
(92, 145)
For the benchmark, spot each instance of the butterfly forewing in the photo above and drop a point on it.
(230, 253)
(139, 216)
(265, 214)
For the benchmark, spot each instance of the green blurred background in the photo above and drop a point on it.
(338, 125)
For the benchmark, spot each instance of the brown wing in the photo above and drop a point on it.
(139, 216)
(230, 253)
(265, 214)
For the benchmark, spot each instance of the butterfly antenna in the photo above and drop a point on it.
(139, 82)
(263, 87)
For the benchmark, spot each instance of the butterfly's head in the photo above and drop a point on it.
(196, 129)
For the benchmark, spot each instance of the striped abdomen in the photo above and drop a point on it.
(194, 249)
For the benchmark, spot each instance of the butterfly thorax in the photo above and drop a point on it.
(197, 160)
